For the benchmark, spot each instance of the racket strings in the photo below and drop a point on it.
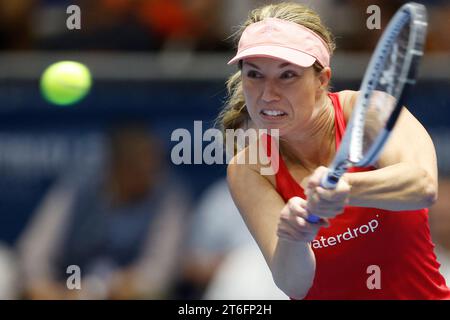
(387, 89)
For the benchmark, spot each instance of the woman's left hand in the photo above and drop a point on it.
(326, 203)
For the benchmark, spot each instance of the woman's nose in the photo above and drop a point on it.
(270, 92)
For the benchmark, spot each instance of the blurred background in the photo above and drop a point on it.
(92, 184)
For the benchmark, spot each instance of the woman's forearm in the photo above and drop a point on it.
(293, 267)
(402, 186)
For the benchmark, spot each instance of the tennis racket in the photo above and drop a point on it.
(389, 77)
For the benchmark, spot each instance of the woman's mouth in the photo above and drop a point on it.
(272, 114)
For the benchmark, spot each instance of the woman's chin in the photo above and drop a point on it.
(264, 125)
(276, 130)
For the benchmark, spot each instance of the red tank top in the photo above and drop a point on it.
(369, 253)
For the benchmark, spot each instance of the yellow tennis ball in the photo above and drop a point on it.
(65, 82)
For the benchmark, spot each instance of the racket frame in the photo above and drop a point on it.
(350, 153)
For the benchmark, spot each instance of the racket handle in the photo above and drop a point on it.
(312, 218)
(329, 181)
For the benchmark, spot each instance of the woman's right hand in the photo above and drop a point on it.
(293, 225)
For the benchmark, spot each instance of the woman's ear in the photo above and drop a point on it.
(324, 78)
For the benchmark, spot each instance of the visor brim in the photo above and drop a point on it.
(282, 53)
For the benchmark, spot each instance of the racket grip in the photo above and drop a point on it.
(328, 182)
(312, 218)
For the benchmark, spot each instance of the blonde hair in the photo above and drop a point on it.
(234, 114)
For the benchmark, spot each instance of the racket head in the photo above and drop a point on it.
(390, 74)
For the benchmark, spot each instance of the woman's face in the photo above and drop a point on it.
(280, 95)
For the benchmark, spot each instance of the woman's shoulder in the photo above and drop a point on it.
(248, 163)
(247, 160)
(347, 98)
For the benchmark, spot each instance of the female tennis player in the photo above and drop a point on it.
(373, 239)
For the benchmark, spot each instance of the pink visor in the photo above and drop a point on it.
(285, 40)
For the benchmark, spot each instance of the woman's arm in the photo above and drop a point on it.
(276, 228)
(407, 174)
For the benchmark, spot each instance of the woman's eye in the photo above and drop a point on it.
(288, 75)
(253, 74)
